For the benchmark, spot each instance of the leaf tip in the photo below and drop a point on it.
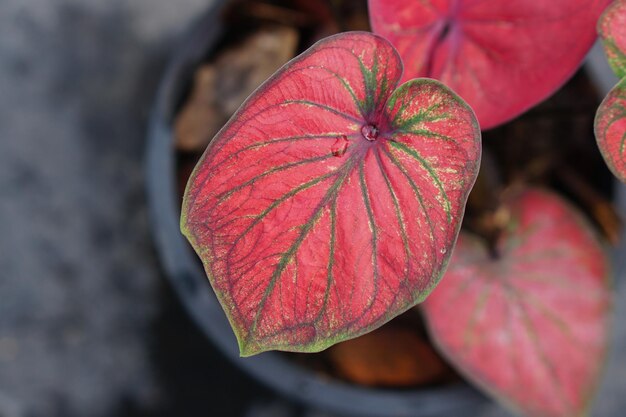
(246, 344)
(247, 349)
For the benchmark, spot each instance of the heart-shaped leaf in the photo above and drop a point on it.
(501, 56)
(529, 326)
(610, 130)
(330, 202)
(612, 30)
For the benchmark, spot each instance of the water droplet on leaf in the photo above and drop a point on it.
(340, 146)
(370, 132)
(443, 251)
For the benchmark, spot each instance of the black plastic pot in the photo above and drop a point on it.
(190, 282)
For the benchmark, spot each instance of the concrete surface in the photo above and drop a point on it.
(81, 295)
(87, 327)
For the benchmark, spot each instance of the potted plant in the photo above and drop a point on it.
(331, 203)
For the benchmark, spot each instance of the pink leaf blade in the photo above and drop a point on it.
(435, 129)
(534, 334)
(612, 31)
(610, 130)
(522, 49)
(307, 219)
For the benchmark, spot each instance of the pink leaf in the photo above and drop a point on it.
(531, 325)
(610, 130)
(612, 30)
(501, 56)
(330, 202)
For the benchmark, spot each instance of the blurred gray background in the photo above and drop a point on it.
(88, 325)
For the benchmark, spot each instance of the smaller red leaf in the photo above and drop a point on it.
(610, 130)
(501, 56)
(612, 31)
(529, 326)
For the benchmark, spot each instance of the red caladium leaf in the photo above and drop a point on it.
(529, 326)
(610, 123)
(330, 202)
(612, 30)
(502, 56)
(610, 130)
